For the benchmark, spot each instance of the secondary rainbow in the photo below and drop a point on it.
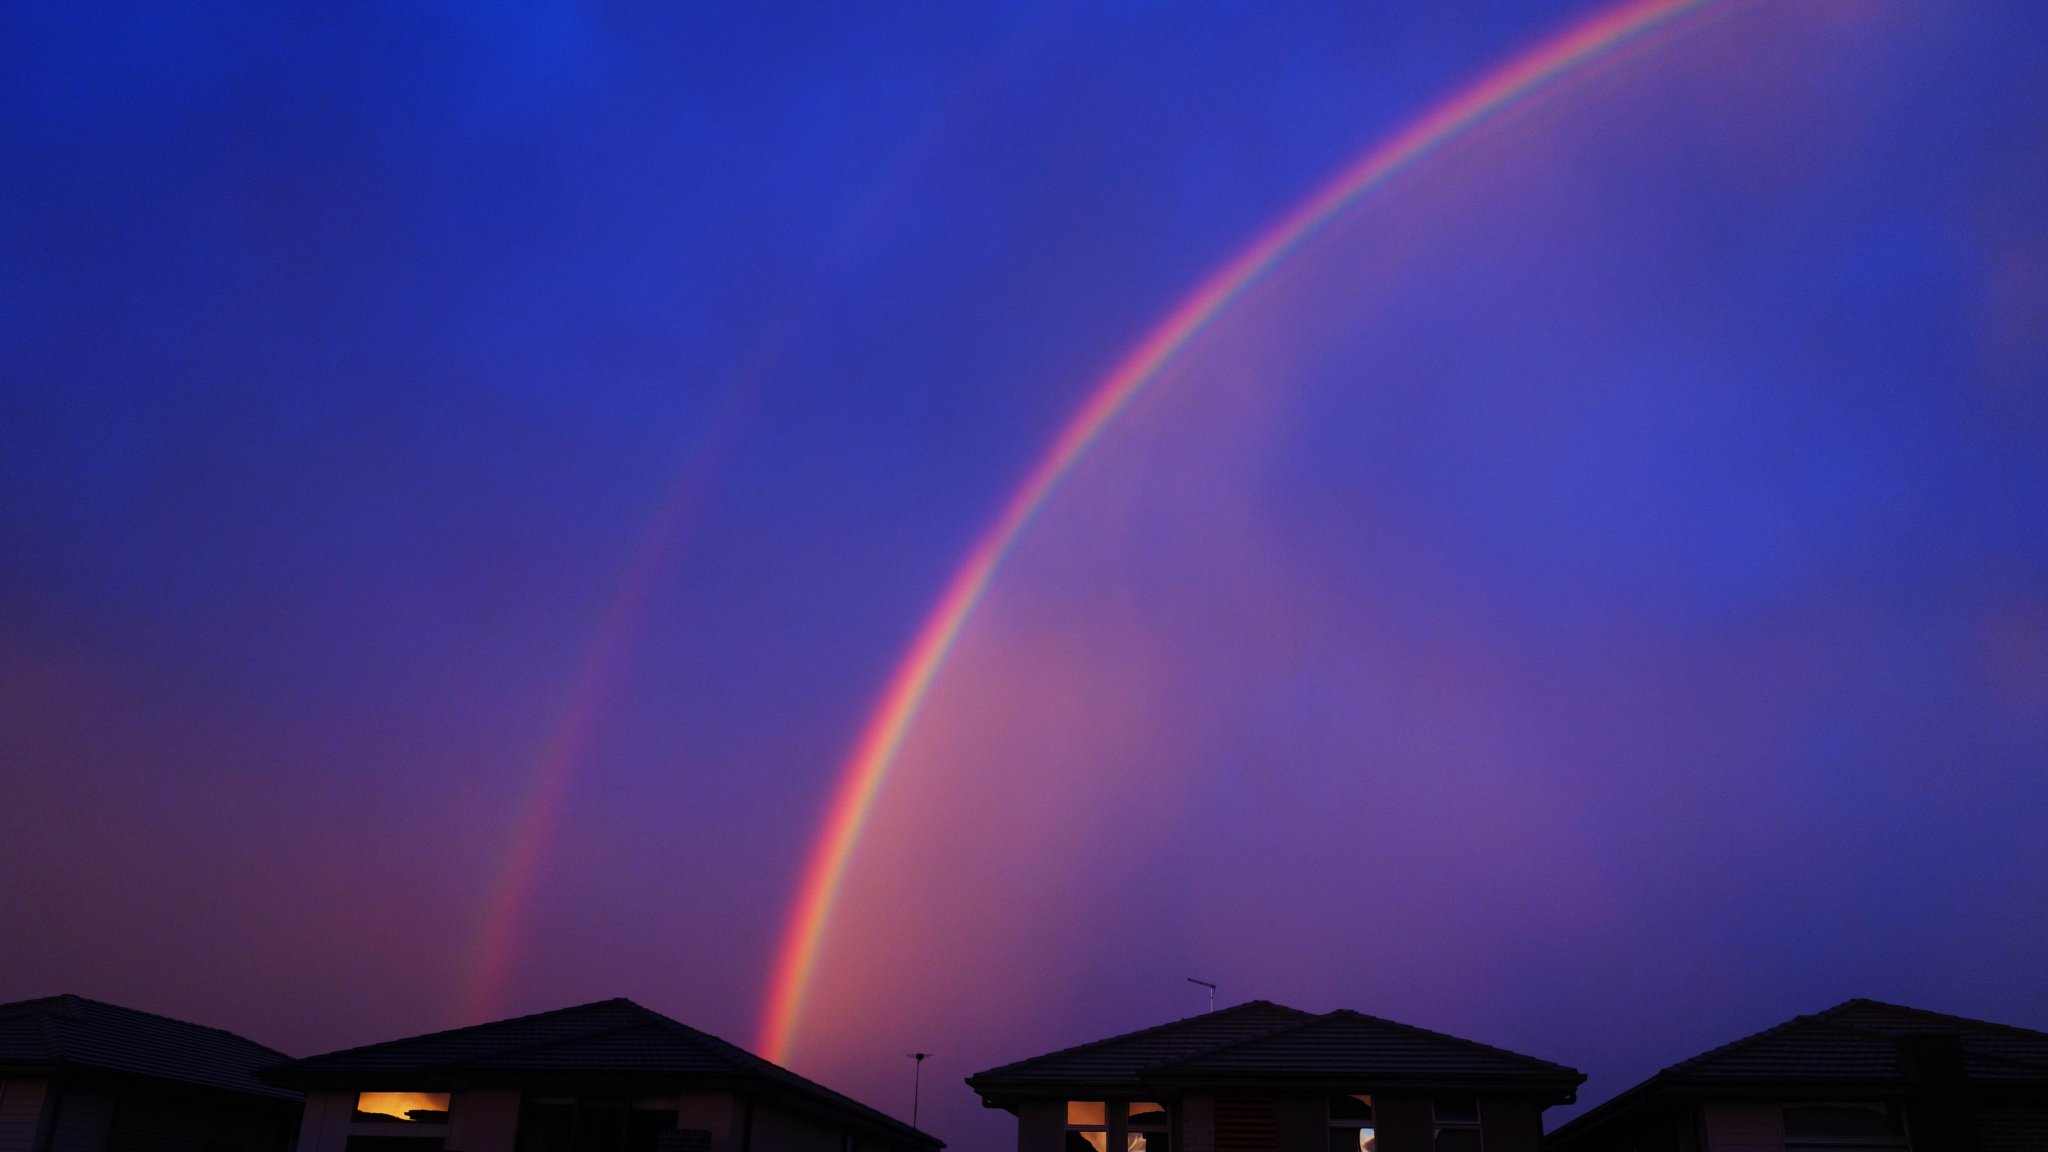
(867, 768)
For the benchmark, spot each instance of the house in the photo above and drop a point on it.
(1859, 1077)
(1261, 1077)
(605, 1077)
(79, 1075)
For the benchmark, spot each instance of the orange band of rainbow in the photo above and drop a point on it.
(868, 766)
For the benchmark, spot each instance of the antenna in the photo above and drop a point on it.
(1210, 987)
(916, 1082)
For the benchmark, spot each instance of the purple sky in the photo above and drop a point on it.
(1594, 599)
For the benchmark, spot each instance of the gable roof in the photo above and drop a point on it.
(1351, 1045)
(1857, 1040)
(609, 1038)
(1124, 1058)
(1262, 1041)
(72, 1032)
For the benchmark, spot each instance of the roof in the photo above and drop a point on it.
(609, 1038)
(1350, 1044)
(72, 1032)
(1127, 1057)
(1265, 1041)
(1857, 1040)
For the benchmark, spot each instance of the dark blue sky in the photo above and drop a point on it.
(1635, 524)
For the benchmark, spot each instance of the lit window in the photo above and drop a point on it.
(1087, 1126)
(1457, 1123)
(1148, 1130)
(1844, 1127)
(1351, 1124)
(403, 1107)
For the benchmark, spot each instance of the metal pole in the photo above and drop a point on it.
(1210, 987)
(916, 1083)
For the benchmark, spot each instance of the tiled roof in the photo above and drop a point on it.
(610, 1037)
(1346, 1044)
(1859, 1038)
(1855, 1040)
(1264, 1040)
(74, 1032)
(1125, 1057)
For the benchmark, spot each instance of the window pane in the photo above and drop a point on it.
(1457, 1110)
(545, 1127)
(413, 1107)
(1096, 1141)
(600, 1129)
(1457, 1140)
(1148, 1142)
(1357, 1108)
(1351, 1139)
(1145, 1114)
(1087, 1113)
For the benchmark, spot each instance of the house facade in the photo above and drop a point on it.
(1860, 1077)
(1262, 1077)
(605, 1077)
(79, 1075)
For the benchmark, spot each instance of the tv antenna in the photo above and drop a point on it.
(1210, 987)
(916, 1082)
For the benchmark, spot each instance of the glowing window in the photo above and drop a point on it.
(1148, 1129)
(1087, 1126)
(1351, 1128)
(1457, 1124)
(403, 1107)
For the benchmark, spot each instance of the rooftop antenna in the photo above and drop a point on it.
(1210, 987)
(916, 1082)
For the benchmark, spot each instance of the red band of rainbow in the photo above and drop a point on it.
(868, 767)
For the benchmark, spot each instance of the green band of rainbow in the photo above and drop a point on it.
(868, 767)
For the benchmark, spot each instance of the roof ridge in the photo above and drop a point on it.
(1864, 1001)
(34, 1003)
(1342, 1014)
(1469, 1043)
(1312, 1019)
(363, 1048)
(1134, 1034)
(1722, 1049)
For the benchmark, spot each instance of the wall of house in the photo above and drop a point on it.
(483, 1120)
(177, 1121)
(778, 1131)
(1042, 1126)
(1744, 1128)
(84, 1119)
(21, 1113)
(323, 1126)
(1197, 1124)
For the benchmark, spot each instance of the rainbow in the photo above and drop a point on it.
(867, 768)
(576, 724)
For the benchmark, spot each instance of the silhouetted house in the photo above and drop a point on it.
(1859, 1077)
(604, 1077)
(1260, 1077)
(77, 1075)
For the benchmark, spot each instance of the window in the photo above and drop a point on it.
(1847, 1127)
(402, 1107)
(1351, 1124)
(1457, 1123)
(399, 1122)
(1147, 1130)
(564, 1124)
(1087, 1126)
